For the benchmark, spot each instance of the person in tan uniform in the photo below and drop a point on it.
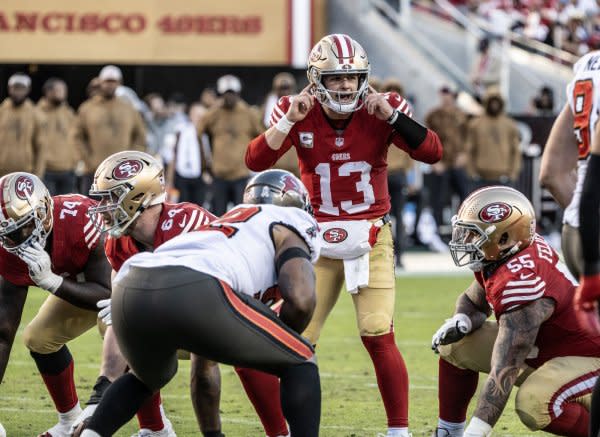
(105, 125)
(398, 164)
(284, 84)
(21, 130)
(61, 155)
(449, 174)
(494, 156)
(230, 126)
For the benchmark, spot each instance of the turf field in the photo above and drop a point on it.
(351, 405)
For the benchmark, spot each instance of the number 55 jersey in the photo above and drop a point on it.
(536, 273)
(236, 248)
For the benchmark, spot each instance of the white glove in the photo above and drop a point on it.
(105, 312)
(2, 431)
(477, 428)
(451, 331)
(40, 267)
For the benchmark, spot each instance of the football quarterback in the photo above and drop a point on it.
(521, 279)
(341, 130)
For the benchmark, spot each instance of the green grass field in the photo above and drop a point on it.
(351, 404)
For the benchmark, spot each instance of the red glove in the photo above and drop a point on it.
(586, 303)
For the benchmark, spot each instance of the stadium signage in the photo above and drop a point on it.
(192, 32)
(111, 23)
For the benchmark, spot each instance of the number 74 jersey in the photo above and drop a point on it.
(74, 236)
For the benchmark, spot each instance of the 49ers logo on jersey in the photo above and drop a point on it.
(495, 212)
(127, 169)
(23, 187)
(335, 235)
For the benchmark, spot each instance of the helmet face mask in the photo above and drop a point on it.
(26, 216)
(277, 187)
(491, 225)
(125, 184)
(338, 54)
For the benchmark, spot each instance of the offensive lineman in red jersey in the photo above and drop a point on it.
(341, 133)
(130, 186)
(536, 343)
(48, 242)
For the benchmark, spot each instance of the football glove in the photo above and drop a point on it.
(40, 267)
(105, 311)
(586, 303)
(451, 331)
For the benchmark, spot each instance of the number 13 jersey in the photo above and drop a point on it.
(344, 170)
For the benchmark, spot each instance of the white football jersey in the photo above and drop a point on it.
(583, 94)
(237, 248)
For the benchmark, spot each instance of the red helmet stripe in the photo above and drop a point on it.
(338, 45)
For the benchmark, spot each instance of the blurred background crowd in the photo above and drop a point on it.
(61, 122)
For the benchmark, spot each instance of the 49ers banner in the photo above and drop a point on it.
(227, 32)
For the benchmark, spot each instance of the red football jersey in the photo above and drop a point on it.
(73, 237)
(345, 170)
(175, 219)
(536, 273)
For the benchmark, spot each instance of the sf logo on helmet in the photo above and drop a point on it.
(495, 212)
(23, 187)
(127, 169)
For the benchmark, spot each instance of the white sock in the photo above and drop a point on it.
(89, 433)
(398, 432)
(70, 416)
(455, 429)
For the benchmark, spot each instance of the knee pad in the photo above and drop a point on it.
(530, 408)
(36, 341)
(375, 323)
(449, 353)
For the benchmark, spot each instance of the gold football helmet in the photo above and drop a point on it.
(126, 183)
(492, 223)
(339, 54)
(25, 211)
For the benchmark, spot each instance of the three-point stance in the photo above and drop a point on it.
(536, 342)
(197, 292)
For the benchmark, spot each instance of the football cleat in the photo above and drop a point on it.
(87, 412)
(441, 432)
(58, 430)
(167, 431)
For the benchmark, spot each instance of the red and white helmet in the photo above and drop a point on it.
(338, 54)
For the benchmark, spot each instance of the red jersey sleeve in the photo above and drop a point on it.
(180, 218)
(74, 234)
(259, 156)
(119, 250)
(430, 150)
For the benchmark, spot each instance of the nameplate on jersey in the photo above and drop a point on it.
(306, 140)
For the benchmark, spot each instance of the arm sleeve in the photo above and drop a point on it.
(589, 226)
(259, 156)
(429, 151)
